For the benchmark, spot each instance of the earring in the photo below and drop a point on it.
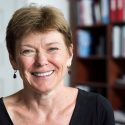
(69, 69)
(14, 75)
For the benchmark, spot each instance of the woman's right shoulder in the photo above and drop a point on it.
(1, 102)
(1, 98)
(10, 101)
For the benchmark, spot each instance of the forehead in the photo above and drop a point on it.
(49, 37)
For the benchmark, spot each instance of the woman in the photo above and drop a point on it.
(40, 47)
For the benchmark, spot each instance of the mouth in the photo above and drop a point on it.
(43, 74)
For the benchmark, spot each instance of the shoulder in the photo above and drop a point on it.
(2, 107)
(1, 98)
(4, 117)
(97, 105)
(93, 98)
(1, 104)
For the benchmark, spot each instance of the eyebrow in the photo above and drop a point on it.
(47, 44)
(51, 43)
(26, 45)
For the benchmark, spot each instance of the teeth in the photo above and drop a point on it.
(43, 74)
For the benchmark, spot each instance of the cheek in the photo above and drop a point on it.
(24, 63)
(60, 61)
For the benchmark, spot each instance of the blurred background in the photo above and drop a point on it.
(98, 28)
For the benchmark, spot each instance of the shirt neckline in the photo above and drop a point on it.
(76, 108)
(6, 112)
(74, 114)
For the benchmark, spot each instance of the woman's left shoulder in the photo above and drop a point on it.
(98, 104)
(94, 98)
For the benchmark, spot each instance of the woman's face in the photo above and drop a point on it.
(42, 60)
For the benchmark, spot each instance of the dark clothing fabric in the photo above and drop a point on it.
(90, 109)
(4, 116)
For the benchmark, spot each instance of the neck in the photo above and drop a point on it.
(46, 101)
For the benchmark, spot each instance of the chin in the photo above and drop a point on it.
(43, 90)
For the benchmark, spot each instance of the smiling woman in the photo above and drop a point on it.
(39, 43)
(43, 59)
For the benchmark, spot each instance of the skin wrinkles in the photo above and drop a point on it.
(45, 59)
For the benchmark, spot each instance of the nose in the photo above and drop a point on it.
(41, 59)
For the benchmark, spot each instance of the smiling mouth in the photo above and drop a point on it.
(43, 74)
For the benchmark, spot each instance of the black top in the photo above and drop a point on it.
(90, 109)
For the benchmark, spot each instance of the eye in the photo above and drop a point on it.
(28, 52)
(53, 49)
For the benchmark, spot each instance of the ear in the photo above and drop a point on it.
(70, 55)
(13, 62)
